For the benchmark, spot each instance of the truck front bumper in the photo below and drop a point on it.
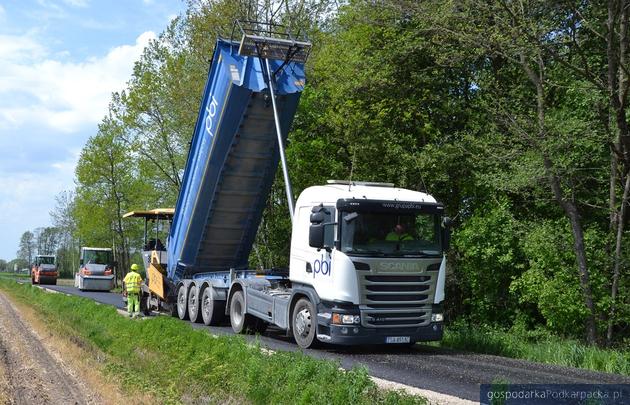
(358, 334)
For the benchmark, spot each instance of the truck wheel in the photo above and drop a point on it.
(212, 311)
(193, 305)
(304, 324)
(241, 321)
(181, 303)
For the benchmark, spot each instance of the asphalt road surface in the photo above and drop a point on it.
(441, 370)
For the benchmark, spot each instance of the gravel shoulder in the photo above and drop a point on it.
(32, 371)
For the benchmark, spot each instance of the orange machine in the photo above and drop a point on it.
(44, 270)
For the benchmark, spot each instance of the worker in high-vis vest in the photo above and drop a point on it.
(132, 288)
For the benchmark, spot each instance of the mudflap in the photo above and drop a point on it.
(145, 304)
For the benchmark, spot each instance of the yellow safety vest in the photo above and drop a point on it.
(394, 237)
(132, 282)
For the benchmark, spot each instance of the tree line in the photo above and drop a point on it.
(513, 114)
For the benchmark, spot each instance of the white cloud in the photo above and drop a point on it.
(16, 49)
(68, 95)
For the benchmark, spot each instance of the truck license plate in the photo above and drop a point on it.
(397, 339)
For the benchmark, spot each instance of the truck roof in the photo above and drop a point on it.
(95, 248)
(330, 193)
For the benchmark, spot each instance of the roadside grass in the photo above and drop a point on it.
(535, 345)
(168, 359)
(14, 275)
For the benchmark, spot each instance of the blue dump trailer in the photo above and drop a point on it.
(352, 278)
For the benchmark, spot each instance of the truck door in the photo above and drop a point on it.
(307, 264)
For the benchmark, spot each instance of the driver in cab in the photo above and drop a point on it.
(398, 234)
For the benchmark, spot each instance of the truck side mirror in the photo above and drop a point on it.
(318, 214)
(447, 223)
(80, 262)
(316, 236)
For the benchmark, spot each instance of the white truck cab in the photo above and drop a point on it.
(373, 256)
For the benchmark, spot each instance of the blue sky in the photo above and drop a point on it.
(60, 60)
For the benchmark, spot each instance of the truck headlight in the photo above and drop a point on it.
(437, 317)
(344, 319)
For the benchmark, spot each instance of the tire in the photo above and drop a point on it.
(241, 321)
(212, 311)
(182, 303)
(54, 282)
(193, 305)
(304, 324)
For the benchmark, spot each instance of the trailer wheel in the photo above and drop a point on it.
(241, 321)
(212, 311)
(304, 324)
(193, 305)
(181, 303)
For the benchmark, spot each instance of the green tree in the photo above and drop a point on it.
(27, 247)
(107, 187)
(63, 219)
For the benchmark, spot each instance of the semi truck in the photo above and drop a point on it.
(367, 260)
(96, 270)
(44, 270)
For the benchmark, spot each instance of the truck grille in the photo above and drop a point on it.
(395, 316)
(394, 299)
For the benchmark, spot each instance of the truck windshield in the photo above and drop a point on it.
(97, 257)
(392, 234)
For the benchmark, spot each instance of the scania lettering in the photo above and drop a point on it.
(367, 260)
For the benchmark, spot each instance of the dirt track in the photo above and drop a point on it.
(29, 372)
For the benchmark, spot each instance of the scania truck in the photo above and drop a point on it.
(367, 262)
